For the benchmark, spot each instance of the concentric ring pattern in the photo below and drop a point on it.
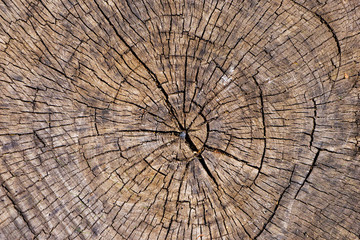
(164, 119)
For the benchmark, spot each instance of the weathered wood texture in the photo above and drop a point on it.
(179, 119)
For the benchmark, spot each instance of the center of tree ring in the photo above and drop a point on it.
(183, 135)
(191, 141)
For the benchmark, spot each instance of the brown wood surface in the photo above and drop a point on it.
(183, 119)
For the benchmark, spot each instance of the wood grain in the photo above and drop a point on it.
(179, 119)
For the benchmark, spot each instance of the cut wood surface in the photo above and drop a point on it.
(183, 119)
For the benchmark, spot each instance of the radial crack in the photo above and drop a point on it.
(308, 174)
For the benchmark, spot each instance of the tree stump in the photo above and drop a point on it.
(179, 119)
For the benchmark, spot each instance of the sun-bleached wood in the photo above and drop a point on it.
(180, 119)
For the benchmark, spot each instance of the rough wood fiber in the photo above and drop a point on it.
(179, 119)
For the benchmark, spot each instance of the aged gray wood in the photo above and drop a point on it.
(179, 119)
